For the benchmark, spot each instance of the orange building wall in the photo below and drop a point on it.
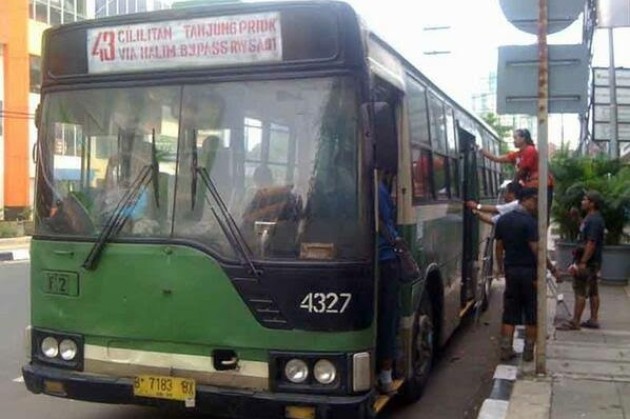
(14, 39)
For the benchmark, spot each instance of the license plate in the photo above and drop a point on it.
(171, 388)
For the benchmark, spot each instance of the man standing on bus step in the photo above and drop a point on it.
(516, 236)
(511, 203)
(389, 286)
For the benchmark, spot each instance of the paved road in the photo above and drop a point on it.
(461, 380)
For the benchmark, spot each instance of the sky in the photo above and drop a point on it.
(476, 29)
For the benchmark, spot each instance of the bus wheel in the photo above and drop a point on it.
(423, 353)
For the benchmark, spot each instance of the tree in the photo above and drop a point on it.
(503, 131)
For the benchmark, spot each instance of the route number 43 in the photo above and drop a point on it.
(329, 303)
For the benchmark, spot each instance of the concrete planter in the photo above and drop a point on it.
(615, 261)
(616, 264)
(564, 254)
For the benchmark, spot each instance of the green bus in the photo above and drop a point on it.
(206, 215)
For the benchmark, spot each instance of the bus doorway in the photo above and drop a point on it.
(471, 223)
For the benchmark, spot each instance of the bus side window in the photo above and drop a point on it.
(421, 175)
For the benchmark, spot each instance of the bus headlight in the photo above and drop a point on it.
(50, 347)
(296, 371)
(324, 371)
(68, 349)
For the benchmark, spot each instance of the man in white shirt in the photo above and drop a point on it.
(484, 211)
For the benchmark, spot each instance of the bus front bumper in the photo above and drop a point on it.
(218, 401)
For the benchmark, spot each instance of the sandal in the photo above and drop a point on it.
(590, 324)
(570, 325)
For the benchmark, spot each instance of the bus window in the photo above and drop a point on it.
(450, 132)
(440, 176)
(418, 114)
(454, 177)
(102, 141)
(294, 172)
(421, 175)
(490, 182)
(481, 178)
(438, 125)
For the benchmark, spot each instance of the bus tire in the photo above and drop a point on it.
(423, 352)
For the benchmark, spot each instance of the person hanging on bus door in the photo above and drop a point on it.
(510, 204)
(525, 159)
(389, 285)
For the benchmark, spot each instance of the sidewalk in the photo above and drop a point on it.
(588, 371)
(16, 248)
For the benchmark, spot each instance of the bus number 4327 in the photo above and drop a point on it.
(330, 303)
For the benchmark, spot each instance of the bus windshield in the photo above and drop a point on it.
(282, 154)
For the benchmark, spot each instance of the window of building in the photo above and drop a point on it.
(35, 74)
(55, 12)
(106, 8)
(122, 7)
(41, 10)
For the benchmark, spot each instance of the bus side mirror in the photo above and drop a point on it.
(385, 139)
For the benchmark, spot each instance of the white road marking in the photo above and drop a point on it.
(20, 379)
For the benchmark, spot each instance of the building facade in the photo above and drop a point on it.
(22, 23)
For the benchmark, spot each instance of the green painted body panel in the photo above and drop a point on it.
(162, 298)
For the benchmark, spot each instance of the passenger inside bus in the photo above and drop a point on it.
(272, 204)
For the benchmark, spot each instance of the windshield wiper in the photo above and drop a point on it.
(155, 166)
(225, 219)
(121, 213)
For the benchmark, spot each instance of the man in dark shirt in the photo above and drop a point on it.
(516, 236)
(587, 262)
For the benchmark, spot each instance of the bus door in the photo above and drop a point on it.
(471, 227)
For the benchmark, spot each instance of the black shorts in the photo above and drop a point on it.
(519, 298)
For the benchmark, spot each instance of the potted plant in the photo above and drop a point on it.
(573, 176)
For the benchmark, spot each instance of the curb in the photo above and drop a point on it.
(496, 405)
(10, 255)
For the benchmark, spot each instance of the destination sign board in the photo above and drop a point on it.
(210, 41)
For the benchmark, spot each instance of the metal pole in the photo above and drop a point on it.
(543, 113)
(614, 143)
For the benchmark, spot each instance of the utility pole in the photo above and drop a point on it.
(543, 128)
